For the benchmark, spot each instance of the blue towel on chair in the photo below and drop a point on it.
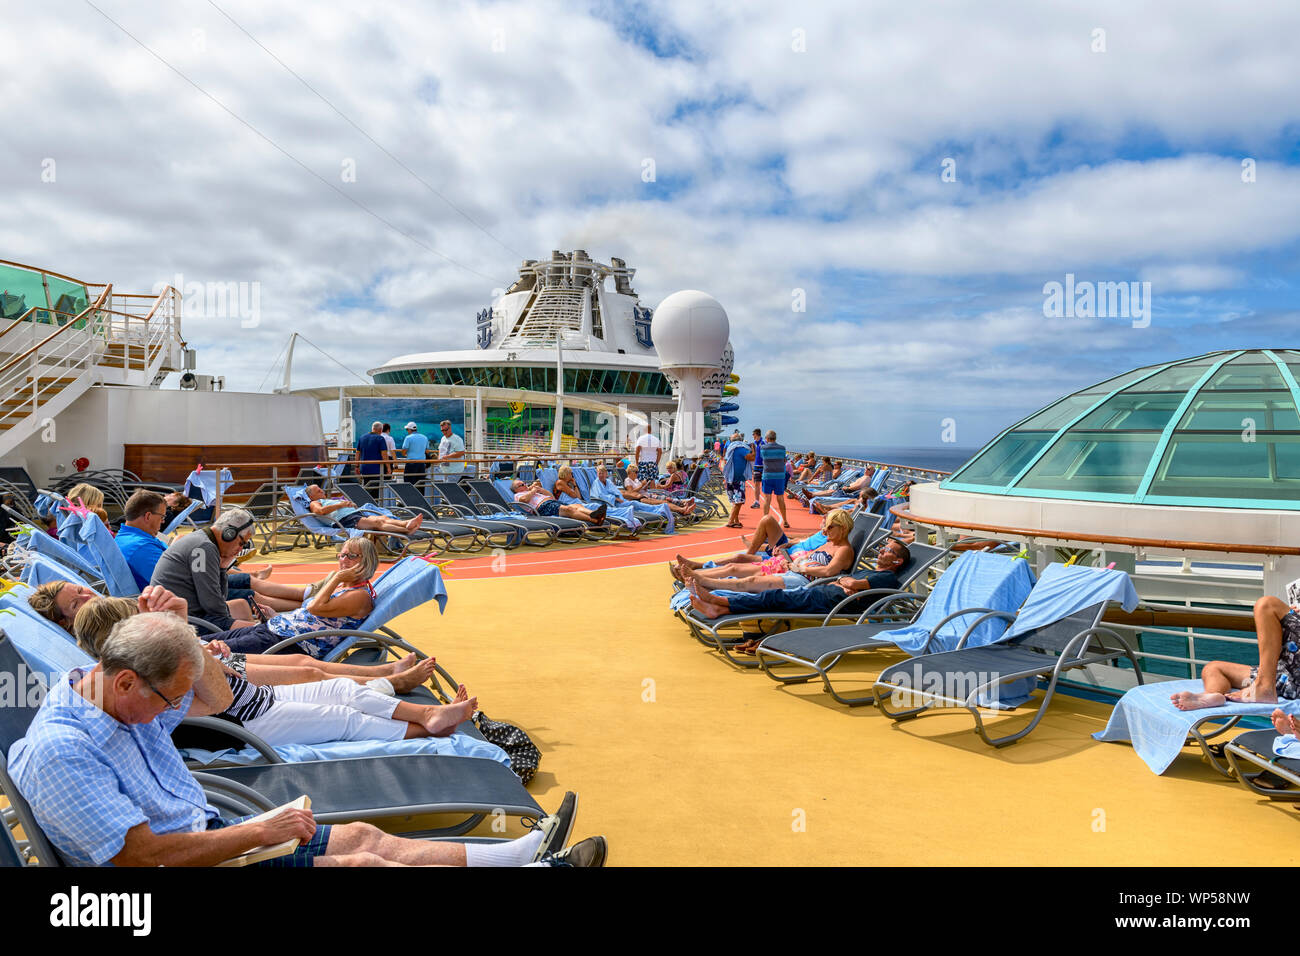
(1146, 716)
(39, 569)
(46, 648)
(457, 745)
(38, 541)
(90, 538)
(1063, 590)
(408, 584)
(975, 579)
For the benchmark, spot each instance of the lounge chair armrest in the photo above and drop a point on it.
(990, 615)
(235, 731)
(879, 606)
(204, 625)
(215, 783)
(875, 593)
(985, 611)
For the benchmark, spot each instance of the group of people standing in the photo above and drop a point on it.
(377, 452)
(762, 461)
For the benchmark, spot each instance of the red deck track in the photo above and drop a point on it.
(595, 557)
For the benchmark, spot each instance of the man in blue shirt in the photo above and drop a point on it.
(137, 539)
(107, 785)
(416, 448)
(735, 462)
(371, 450)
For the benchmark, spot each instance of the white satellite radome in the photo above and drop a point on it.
(690, 331)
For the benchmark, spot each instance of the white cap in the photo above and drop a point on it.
(411, 426)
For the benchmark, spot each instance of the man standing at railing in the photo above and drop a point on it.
(371, 450)
(416, 448)
(451, 451)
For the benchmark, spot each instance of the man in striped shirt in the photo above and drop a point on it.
(773, 479)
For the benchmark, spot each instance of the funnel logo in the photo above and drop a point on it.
(641, 325)
(484, 319)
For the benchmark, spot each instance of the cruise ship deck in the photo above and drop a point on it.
(681, 759)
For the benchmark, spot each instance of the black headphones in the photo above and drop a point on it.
(233, 532)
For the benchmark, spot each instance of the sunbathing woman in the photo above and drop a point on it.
(340, 601)
(301, 713)
(767, 541)
(1277, 628)
(831, 559)
(634, 489)
(90, 496)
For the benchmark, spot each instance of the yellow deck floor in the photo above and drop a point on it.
(722, 766)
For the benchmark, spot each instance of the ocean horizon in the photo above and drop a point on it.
(940, 458)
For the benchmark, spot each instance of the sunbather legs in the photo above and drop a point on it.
(1277, 627)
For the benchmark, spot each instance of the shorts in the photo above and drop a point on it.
(253, 640)
(736, 492)
(1288, 662)
(647, 471)
(352, 520)
(303, 856)
(549, 508)
(794, 580)
(774, 485)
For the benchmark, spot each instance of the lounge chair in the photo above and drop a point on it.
(616, 518)
(457, 535)
(536, 532)
(1254, 762)
(493, 535)
(90, 538)
(972, 586)
(392, 788)
(496, 493)
(651, 518)
(1058, 629)
(1146, 717)
(324, 529)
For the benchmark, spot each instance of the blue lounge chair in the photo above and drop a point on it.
(91, 539)
(973, 585)
(1058, 629)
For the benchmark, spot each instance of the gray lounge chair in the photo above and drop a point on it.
(456, 535)
(1250, 755)
(566, 529)
(391, 788)
(967, 674)
(497, 534)
(538, 532)
(815, 651)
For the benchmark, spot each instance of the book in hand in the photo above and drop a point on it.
(1293, 593)
(259, 853)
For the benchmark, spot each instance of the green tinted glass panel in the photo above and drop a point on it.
(1002, 460)
(1060, 414)
(20, 290)
(1241, 411)
(1267, 469)
(1133, 411)
(1177, 378)
(1095, 462)
(1236, 375)
(1119, 381)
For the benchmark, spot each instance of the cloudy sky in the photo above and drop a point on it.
(920, 172)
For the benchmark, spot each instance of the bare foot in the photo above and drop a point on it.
(411, 678)
(744, 539)
(673, 569)
(413, 525)
(461, 694)
(261, 575)
(706, 608)
(406, 663)
(443, 721)
(1282, 721)
(1186, 700)
(1253, 693)
(686, 564)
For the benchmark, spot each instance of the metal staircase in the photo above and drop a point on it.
(50, 357)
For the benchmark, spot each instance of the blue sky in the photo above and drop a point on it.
(796, 147)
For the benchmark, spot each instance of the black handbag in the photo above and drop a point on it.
(519, 747)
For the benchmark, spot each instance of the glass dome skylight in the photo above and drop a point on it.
(1219, 430)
